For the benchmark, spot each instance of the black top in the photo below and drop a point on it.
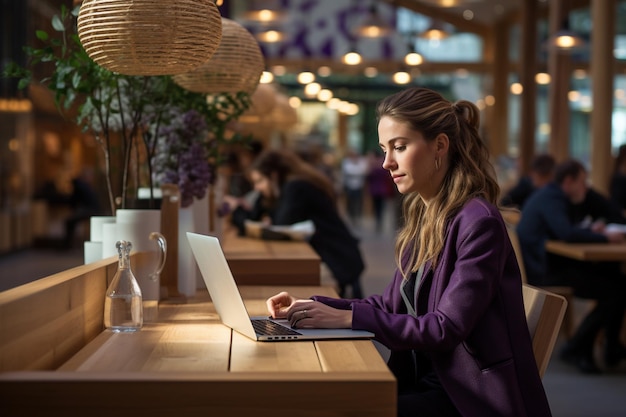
(617, 190)
(518, 195)
(300, 200)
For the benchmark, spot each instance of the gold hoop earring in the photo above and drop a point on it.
(437, 164)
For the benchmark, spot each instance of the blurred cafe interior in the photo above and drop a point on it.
(544, 80)
(549, 76)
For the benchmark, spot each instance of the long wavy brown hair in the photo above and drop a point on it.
(470, 173)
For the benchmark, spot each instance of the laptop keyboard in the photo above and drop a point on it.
(269, 328)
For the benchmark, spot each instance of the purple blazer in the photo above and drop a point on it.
(470, 321)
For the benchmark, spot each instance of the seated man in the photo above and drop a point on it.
(547, 215)
(541, 172)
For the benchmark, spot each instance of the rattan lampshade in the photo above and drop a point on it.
(263, 100)
(149, 37)
(236, 65)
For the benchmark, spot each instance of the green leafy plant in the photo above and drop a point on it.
(123, 113)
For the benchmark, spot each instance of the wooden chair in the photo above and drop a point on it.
(564, 291)
(544, 314)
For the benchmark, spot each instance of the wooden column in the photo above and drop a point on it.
(559, 64)
(602, 68)
(497, 123)
(527, 71)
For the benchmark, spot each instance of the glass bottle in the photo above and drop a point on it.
(123, 309)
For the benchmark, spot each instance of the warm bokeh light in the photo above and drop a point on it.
(413, 58)
(324, 94)
(295, 102)
(517, 88)
(312, 89)
(573, 95)
(324, 71)
(401, 77)
(306, 77)
(544, 128)
(333, 103)
(370, 72)
(490, 100)
(542, 78)
(270, 36)
(565, 41)
(352, 58)
(266, 77)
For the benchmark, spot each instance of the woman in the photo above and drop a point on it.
(453, 316)
(293, 191)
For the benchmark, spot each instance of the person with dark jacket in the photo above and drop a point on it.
(293, 191)
(554, 212)
(453, 314)
(617, 183)
(541, 173)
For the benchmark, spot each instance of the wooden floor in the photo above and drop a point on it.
(570, 393)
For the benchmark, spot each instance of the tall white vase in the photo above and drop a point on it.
(194, 218)
(136, 226)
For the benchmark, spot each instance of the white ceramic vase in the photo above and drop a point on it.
(93, 247)
(194, 218)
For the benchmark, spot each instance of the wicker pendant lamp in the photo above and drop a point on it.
(149, 37)
(236, 66)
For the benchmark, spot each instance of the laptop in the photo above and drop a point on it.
(231, 309)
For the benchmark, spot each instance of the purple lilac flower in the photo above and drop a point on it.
(181, 156)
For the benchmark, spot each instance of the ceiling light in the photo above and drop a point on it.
(449, 3)
(373, 25)
(435, 31)
(264, 11)
(401, 77)
(412, 58)
(352, 58)
(270, 36)
(266, 77)
(306, 77)
(566, 40)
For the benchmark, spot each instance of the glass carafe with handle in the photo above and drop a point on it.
(123, 309)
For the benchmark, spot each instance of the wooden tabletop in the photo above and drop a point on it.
(188, 363)
(271, 262)
(588, 251)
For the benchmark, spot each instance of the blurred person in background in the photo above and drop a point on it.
(354, 169)
(293, 191)
(541, 173)
(547, 215)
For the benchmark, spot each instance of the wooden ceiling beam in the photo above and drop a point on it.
(454, 19)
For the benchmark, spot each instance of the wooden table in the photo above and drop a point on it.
(271, 262)
(187, 363)
(588, 251)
